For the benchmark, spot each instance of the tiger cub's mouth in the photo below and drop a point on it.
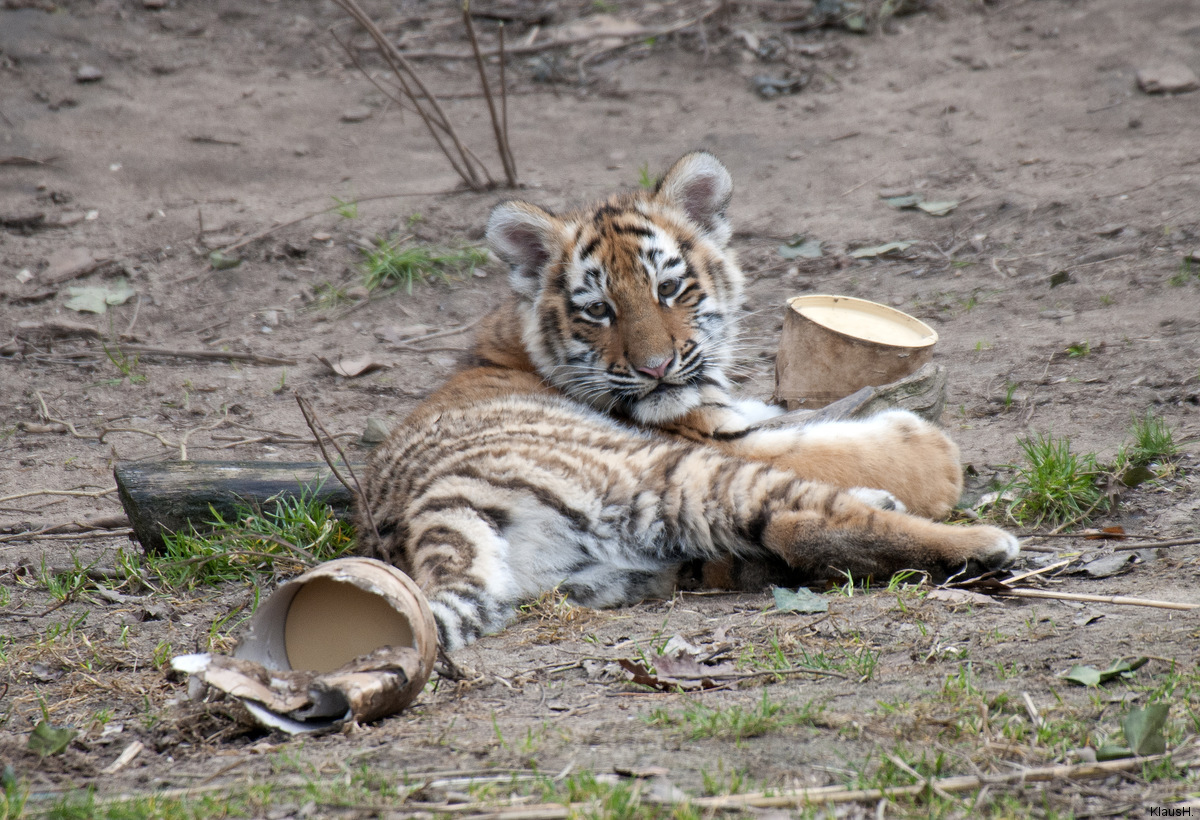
(663, 401)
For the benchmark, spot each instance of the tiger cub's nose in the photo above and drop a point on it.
(655, 371)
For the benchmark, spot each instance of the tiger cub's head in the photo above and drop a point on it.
(629, 305)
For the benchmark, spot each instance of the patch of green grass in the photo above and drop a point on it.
(294, 533)
(1185, 274)
(1055, 485)
(1010, 389)
(1079, 350)
(646, 179)
(698, 720)
(398, 263)
(345, 208)
(1153, 441)
(734, 781)
(125, 365)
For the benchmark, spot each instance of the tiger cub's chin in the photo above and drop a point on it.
(665, 404)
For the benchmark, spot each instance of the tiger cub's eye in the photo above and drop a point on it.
(669, 287)
(597, 310)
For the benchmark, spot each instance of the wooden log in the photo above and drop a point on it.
(174, 496)
(924, 393)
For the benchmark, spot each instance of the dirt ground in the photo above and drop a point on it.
(1060, 285)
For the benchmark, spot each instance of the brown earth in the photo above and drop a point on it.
(1060, 285)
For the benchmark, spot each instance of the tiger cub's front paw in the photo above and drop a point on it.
(992, 547)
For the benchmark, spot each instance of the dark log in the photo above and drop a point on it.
(175, 496)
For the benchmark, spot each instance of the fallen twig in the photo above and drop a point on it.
(26, 161)
(217, 355)
(437, 334)
(800, 798)
(1097, 599)
(1154, 545)
(1039, 571)
(66, 536)
(566, 42)
(163, 440)
(71, 529)
(46, 417)
(71, 493)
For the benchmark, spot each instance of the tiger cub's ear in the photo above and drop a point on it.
(523, 236)
(700, 186)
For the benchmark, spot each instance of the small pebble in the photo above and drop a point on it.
(322, 237)
(1174, 78)
(375, 432)
(356, 114)
(88, 74)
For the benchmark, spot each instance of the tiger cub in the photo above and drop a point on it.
(596, 447)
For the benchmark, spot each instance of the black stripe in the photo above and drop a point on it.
(579, 521)
(589, 248)
(496, 517)
(634, 230)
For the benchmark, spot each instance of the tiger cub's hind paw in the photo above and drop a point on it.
(879, 499)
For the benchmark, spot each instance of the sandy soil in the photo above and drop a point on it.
(1060, 286)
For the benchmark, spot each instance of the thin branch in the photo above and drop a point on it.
(65, 536)
(318, 430)
(435, 118)
(504, 105)
(71, 493)
(566, 42)
(1039, 571)
(163, 440)
(1154, 545)
(211, 355)
(46, 417)
(1097, 599)
(801, 798)
(510, 173)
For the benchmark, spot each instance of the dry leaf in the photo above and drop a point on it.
(354, 366)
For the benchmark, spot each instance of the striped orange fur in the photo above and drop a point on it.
(596, 448)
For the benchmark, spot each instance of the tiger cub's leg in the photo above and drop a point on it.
(895, 451)
(820, 530)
